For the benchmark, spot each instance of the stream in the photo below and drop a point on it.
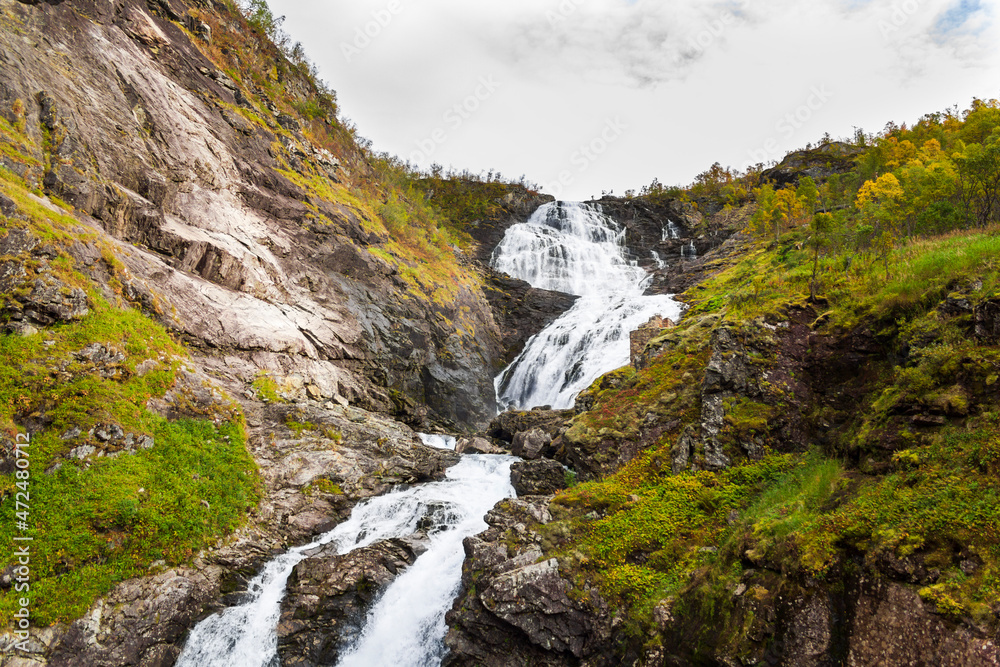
(405, 628)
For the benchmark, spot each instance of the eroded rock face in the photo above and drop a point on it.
(751, 370)
(537, 478)
(861, 621)
(893, 627)
(987, 317)
(144, 142)
(515, 610)
(521, 310)
(329, 595)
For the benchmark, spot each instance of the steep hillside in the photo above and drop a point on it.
(802, 471)
(215, 301)
(226, 170)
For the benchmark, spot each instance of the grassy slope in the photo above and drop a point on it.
(645, 535)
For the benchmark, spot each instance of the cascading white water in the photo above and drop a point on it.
(439, 441)
(406, 626)
(660, 263)
(574, 248)
(670, 232)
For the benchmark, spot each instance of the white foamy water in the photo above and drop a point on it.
(406, 626)
(439, 441)
(574, 248)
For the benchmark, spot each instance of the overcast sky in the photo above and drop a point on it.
(585, 96)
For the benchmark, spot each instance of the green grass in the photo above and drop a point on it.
(96, 527)
(93, 527)
(655, 525)
(266, 388)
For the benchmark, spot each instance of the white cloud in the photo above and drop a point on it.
(694, 82)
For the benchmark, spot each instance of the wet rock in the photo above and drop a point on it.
(328, 596)
(530, 444)
(515, 207)
(514, 610)
(891, 626)
(522, 310)
(478, 445)
(537, 478)
(987, 317)
(647, 332)
(508, 424)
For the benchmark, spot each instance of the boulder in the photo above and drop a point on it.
(507, 424)
(478, 445)
(530, 444)
(537, 478)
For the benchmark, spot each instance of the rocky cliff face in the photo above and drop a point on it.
(235, 214)
(671, 238)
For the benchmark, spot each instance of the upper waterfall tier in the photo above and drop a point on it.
(570, 247)
(574, 248)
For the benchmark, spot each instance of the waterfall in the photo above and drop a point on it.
(405, 627)
(670, 232)
(660, 263)
(574, 248)
(689, 251)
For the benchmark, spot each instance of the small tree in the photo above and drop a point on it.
(808, 193)
(820, 229)
(788, 208)
(879, 205)
(978, 168)
(763, 217)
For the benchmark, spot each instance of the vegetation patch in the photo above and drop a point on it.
(106, 508)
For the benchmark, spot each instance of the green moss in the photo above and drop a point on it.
(654, 524)
(266, 388)
(298, 428)
(97, 524)
(939, 596)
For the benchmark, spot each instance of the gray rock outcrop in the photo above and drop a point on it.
(329, 594)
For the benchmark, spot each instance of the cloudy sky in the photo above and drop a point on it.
(585, 96)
